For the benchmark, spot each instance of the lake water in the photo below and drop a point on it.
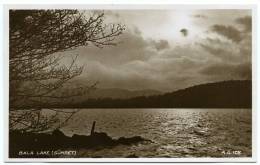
(174, 132)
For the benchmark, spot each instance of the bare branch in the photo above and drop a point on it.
(37, 75)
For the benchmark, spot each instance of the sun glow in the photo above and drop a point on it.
(183, 19)
(183, 29)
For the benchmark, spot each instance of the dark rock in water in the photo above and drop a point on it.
(57, 140)
(101, 137)
(96, 139)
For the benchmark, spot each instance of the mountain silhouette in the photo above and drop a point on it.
(225, 94)
(117, 93)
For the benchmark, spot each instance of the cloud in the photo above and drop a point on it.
(135, 75)
(131, 46)
(161, 44)
(184, 32)
(237, 51)
(246, 21)
(229, 32)
(162, 70)
(141, 62)
(232, 54)
(157, 73)
(138, 63)
(228, 71)
(221, 49)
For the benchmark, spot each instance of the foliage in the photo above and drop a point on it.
(38, 68)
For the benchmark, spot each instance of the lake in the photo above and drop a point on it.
(174, 132)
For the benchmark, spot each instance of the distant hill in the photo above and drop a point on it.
(226, 94)
(117, 93)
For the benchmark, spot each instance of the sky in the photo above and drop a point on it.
(166, 50)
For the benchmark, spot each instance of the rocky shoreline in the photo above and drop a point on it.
(29, 145)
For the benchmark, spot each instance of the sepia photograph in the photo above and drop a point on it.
(130, 83)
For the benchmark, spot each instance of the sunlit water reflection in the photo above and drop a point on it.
(174, 132)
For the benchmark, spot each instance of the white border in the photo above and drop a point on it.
(2, 94)
(133, 6)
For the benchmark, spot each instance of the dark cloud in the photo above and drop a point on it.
(161, 44)
(214, 51)
(246, 22)
(228, 71)
(222, 50)
(232, 59)
(131, 46)
(239, 50)
(229, 32)
(184, 32)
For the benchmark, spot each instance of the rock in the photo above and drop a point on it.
(58, 133)
(57, 140)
